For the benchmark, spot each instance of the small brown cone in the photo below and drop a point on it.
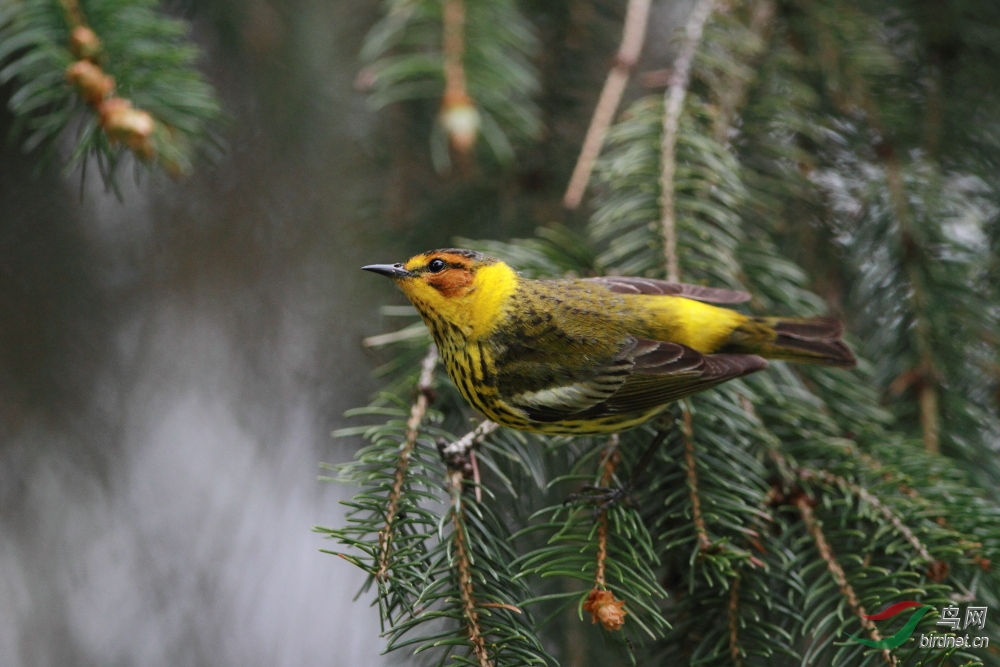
(133, 127)
(84, 43)
(603, 607)
(90, 81)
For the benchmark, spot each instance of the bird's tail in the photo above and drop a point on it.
(812, 340)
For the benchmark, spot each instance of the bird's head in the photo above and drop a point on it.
(466, 289)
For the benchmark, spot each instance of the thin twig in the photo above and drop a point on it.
(460, 448)
(673, 104)
(73, 13)
(476, 479)
(692, 481)
(403, 463)
(454, 48)
(458, 110)
(601, 602)
(837, 572)
(633, 36)
(611, 458)
(734, 623)
(413, 331)
(927, 393)
(461, 454)
(464, 563)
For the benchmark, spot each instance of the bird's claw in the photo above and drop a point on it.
(602, 497)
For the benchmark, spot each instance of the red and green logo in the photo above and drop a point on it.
(898, 639)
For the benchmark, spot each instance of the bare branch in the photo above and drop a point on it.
(634, 34)
(673, 104)
(461, 454)
(460, 448)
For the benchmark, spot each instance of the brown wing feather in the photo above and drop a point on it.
(653, 383)
(816, 339)
(661, 372)
(813, 328)
(628, 285)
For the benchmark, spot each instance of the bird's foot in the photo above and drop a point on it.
(602, 498)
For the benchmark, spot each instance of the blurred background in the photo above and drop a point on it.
(171, 366)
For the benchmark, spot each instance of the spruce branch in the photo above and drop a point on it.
(471, 61)
(754, 140)
(837, 572)
(424, 395)
(118, 118)
(464, 566)
(807, 474)
(673, 104)
(633, 37)
(118, 73)
(691, 468)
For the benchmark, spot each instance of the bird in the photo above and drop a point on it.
(592, 356)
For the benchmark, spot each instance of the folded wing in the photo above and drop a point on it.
(627, 285)
(644, 375)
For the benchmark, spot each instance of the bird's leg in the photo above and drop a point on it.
(605, 497)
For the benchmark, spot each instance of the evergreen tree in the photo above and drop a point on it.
(828, 156)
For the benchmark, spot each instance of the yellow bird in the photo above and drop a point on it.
(594, 355)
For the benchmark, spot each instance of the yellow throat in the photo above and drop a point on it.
(474, 308)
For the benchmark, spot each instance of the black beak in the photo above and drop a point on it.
(391, 270)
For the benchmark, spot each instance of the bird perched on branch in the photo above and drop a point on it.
(595, 355)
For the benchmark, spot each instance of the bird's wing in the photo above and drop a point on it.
(645, 374)
(652, 383)
(581, 391)
(626, 285)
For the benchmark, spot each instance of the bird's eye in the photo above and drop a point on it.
(436, 266)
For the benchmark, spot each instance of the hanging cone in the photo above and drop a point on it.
(460, 120)
(90, 81)
(133, 127)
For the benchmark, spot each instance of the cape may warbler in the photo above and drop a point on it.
(595, 355)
